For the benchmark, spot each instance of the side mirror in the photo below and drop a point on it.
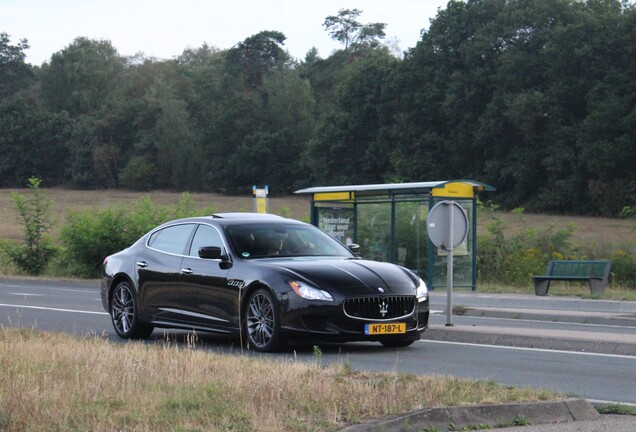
(354, 248)
(215, 253)
(211, 252)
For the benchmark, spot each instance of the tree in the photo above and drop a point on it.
(15, 74)
(352, 145)
(532, 97)
(254, 57)
(79, 79)
(245, 141)
(32, 143)
(271, 152)
(193, 58)
(345, 28)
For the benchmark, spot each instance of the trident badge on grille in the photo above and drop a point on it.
(384, 308)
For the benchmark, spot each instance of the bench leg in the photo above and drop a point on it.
(597, 286)
(541, 287)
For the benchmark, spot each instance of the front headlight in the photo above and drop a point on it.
(421, 291)
(308, 292)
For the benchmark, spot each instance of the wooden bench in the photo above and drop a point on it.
(596, 272)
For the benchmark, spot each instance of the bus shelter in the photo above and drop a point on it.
(388, 221)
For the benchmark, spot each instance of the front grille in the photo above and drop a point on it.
(380, 307)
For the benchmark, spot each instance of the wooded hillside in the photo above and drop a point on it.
(534, 97)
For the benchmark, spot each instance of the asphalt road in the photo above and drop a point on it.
(75, 307)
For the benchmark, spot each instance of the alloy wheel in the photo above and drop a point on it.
(123, 309)
(260, 320)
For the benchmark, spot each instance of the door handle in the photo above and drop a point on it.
(142, 264)
(186, 271)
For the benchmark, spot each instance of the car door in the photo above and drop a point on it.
(158, 270)
(207, 301)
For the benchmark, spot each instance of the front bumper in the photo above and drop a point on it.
(330, 323)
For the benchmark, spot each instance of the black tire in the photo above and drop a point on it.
(397, 342)
(262, 322)
(124, 313)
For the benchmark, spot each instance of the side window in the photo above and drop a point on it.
(172, 239)
(205, 236)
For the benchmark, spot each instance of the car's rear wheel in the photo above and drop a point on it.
(262, 323)
(124, 313)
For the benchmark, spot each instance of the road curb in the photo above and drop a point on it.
(480, 415)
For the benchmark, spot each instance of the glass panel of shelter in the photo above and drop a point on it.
(369, 224)
(374, 231)
(411, 239)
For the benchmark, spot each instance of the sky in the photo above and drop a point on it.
(163, 29)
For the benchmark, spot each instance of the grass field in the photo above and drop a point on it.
(596, 234)
(64, 200)
(586, 229)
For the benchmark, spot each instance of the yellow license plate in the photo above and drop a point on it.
(377, 329)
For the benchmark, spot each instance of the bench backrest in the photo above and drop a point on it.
(589, 268)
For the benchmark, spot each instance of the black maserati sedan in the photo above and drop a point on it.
(262, 278)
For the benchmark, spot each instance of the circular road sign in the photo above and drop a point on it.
(444, 217)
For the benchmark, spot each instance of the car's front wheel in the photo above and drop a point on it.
(262, 323)
(124, 313)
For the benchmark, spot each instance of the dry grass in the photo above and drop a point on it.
(64, 200)
(586, 229)
(59, 382)
(594, 236)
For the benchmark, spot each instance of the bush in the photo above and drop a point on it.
(516, 259)
(34, 215)
(623, 270)
(91, 235)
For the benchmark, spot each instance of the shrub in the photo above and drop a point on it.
(34, 215)
(90, 235)
(623, 270)
(515, 259)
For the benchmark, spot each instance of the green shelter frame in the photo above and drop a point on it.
(388, 221)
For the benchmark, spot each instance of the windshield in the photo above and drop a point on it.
(275, 240)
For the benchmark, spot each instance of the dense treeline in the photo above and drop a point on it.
(535, 97)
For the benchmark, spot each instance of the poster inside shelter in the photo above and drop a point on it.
(338, 223)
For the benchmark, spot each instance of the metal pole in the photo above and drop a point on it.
(449, 267)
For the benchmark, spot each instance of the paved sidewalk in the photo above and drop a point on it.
(527, 301)
(549, 309)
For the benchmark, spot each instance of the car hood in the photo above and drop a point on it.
(349, 276)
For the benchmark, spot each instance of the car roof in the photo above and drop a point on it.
(237, 218)
(246, 215)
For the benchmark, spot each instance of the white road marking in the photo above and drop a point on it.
(622, 356)
(28, 294)
(53, 309)
(606, 402)
(51, 288)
